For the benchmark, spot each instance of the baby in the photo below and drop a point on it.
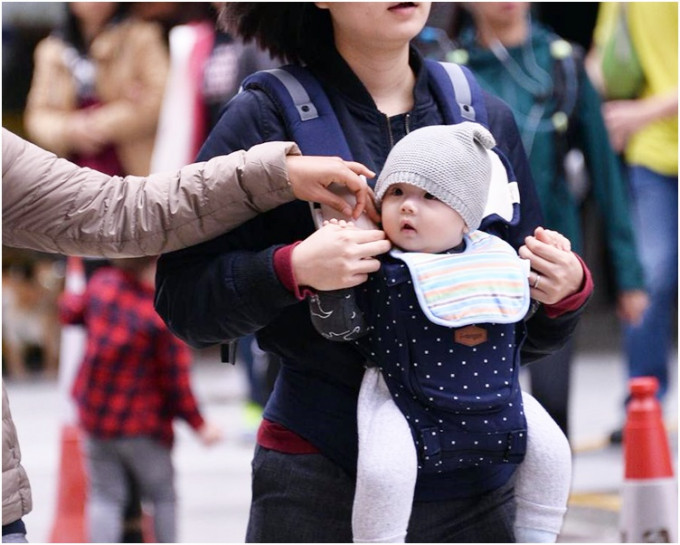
(441, 325)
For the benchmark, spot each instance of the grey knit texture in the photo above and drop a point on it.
(449, 161)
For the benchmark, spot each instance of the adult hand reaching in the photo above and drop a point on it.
(335, 257)
(556, 272)
(310, 177)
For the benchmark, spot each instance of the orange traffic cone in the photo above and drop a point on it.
(69, 522)
(649, 496)
(69, 517)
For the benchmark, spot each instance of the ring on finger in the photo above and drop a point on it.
(536, 282)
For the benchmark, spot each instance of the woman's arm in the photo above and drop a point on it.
(52, 205)
(51, 99)
(134, 111)
(626, 117)
(609, 189)
(228, 287)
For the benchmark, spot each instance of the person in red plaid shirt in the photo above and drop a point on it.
(133, 381)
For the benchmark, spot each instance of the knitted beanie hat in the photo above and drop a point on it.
(449, 161)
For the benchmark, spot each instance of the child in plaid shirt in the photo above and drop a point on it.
(133, 381)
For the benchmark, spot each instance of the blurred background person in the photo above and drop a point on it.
(133, 382)
(188, 31)
(543, 80)
(206, 70)
(228, 64)
(96, 93)
(30, 339)
(643, 127)
(97, 88)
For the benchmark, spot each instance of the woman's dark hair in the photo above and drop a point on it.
(295, 32)
(70, 32)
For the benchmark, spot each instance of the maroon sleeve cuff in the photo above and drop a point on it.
(283, 267)
(576, 300)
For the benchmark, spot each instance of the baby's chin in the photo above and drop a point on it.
(425, 249)
(418, 246)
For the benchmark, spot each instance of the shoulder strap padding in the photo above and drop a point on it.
(453, 80)
(308, 114)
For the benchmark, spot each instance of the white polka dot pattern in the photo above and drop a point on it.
(463, 403)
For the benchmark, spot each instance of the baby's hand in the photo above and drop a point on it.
(340, 223)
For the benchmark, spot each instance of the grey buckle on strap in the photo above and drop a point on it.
(297, 92)
(462, 89)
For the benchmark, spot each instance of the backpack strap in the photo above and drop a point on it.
(313, 125)
(461, 99)
(567, 59)
(455, 81)
(570, 160)
(308, 114)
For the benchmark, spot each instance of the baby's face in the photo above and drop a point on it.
(417, 221)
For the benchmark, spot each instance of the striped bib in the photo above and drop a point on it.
(485, 283)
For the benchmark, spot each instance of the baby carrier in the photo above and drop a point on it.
(313, 125)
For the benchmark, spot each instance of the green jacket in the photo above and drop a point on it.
(528, 72)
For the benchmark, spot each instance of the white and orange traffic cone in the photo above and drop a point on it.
(69, 516)
(649, 508)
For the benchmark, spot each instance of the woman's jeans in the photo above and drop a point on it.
(654, 214)
(306, 498)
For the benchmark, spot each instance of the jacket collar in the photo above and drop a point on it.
(334, 71)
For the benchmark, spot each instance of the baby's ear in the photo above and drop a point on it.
(466, 229)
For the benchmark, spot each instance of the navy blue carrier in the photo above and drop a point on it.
(313, 125)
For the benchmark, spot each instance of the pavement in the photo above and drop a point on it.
(213, 483)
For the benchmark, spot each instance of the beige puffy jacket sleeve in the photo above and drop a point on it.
(52, 205)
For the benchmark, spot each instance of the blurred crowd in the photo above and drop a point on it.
(135, 87)
(106, 85)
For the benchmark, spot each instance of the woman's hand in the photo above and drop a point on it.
(556, 272)
(335, 257)
(631, 306)
(310, 177)
(626, 117)
(83, 137)
(623, 118)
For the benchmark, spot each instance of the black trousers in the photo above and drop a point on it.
(550, 380)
